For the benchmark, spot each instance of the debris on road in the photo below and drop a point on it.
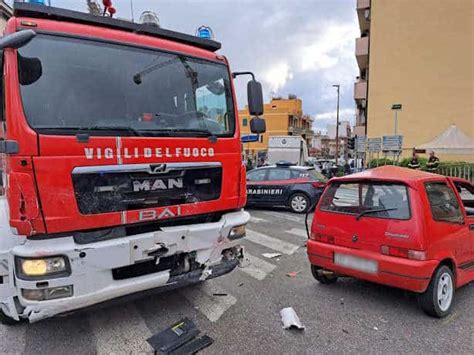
(375, 328)
(290, 319)
(220, 294)
(345, 331)
(241, 284)
(179, 339)
(293, 273)
(271, 255)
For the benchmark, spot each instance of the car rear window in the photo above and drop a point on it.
(373, 199)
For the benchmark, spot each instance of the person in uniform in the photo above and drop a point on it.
(414, 162)
(433, 162)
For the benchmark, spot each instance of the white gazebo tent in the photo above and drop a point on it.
(452, 141)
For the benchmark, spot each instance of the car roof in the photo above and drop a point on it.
(297, 167)
(391, 173)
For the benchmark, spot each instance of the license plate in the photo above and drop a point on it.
(356, 263)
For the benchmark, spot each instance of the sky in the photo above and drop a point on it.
(301, 47)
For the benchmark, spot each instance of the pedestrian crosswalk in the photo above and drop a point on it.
(123, 329)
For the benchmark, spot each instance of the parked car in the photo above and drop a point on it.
(284, 184)
(398, 227)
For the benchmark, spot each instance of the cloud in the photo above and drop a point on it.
(322, 120)
(277, 76)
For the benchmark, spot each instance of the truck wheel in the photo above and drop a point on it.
(322, 278)
(438, 299)
(299, 203)
(6, 320)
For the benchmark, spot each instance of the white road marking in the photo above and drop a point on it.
(203, 298)
(120, 330)
(257, 219)
(257, 268)
(298, 232)
(272, 243)
(286, 216)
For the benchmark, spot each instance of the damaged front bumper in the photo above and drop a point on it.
(170, 258)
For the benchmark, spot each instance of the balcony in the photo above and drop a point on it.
(360, 91)
(362, 52)
(363, 13)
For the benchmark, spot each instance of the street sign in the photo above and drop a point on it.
(392, 143)
(249, 138)
(397, 107)
(361, 144)
(374, 145)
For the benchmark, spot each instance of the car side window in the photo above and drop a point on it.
(443, 203)
(299, 174)
(466, 192)
(256, 175)
(279, 174)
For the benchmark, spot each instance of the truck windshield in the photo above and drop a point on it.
(370, 199)
(70, 85)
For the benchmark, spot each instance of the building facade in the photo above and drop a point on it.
(5, 13)
(419, 54)
(283, 117)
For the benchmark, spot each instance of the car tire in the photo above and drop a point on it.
(6, 320)
(299, 203)
(438, 299)
(322, 278)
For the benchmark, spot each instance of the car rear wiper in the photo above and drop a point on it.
(374, 211)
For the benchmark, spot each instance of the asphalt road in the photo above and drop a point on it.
(349, 316)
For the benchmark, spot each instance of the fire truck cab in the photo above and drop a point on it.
(116, 139)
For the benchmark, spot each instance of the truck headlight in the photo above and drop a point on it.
(38, 267)
(237, 232)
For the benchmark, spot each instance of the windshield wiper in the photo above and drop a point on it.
(374, 211)
(114, 128)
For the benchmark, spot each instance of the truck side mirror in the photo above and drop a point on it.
(17, 40)
(255, 98)
(257, 125)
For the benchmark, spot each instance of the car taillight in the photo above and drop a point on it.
(323, 238)
(403, 253)
(318, 185)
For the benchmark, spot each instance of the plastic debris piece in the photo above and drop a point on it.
(241, 284)
(375, 328)
(293, 273)
(271, 255)
(219, 294)
(174, 336)
(290, 319)
(345, 331)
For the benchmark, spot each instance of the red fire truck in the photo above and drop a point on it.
(121, 159)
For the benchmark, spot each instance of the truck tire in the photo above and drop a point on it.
(438, 299)
(299, 203)
(6, 320)
(322, 278)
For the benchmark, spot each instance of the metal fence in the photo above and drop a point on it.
(461, 171)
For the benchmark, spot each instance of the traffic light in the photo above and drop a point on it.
(351, 143)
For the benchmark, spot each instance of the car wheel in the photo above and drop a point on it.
(6, 320)
(438, 299)
(325, 279)
(299, 203)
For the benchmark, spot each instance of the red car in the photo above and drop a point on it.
(398, 227)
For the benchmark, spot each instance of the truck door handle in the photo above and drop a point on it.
(471, 227)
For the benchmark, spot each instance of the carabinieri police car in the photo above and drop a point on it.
(284, 184)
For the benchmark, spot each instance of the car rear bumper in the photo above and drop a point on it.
(208, 250)
(412, 275)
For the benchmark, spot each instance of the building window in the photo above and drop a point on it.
(244, 122)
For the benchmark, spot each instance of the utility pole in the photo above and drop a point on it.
(131, 10)
(337, 86)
